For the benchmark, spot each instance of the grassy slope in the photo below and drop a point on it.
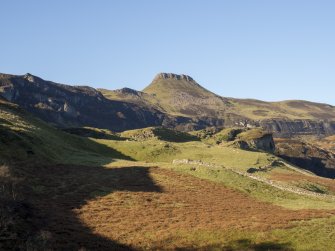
(24, 138)
(144, 98)
(193, 213)
(290, 109)
(327, 143)
(303, 235)
(182, 97)
(163, 153)
(165, 94)
(158, 133)
(167, 87)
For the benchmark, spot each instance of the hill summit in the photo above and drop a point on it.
(181, 95)
(174, 76)
(168, 83)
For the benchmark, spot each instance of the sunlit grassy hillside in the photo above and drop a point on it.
(185, 97)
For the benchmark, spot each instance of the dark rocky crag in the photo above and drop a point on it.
(75, 106)
(307, 156)
(289, 128)
(263, 143)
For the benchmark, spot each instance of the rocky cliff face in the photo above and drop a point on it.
(248, 139)
(173, 76)
(255, 139)
(263, 143)
(75, 106)
(281, 128)
(288, 128)
(307, 156)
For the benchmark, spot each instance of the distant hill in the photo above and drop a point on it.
(181, 94)
(171, 100)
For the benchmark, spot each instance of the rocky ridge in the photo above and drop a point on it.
(75, 106)
(171, 100)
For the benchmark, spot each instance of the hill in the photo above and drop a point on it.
(152, 188)
(25, 138)
(180, 92)
(74, 106)
(180, 95)
(171, 100)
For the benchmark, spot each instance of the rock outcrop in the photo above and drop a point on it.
(174, 76)
(248, 139)
(307, 156)
(75, 106)
(255, 139)
(288, 128)
(263, 143)
(128, 91)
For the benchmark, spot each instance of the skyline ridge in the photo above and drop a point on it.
(93, 85)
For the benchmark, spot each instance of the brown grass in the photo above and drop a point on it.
(186, 204)
(298, 177)
(138, 207)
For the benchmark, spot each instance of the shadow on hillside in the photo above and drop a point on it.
(93, 133)
(45, 215)
(245, 244)
(173, 135)
(107, 155)
(26, 146)
(316, 165)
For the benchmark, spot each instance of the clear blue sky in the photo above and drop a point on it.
(270, 50)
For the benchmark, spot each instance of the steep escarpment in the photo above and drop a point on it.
(307, 156)
(248, 139)
(75, 106)
(256, 139)
(288, 128)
